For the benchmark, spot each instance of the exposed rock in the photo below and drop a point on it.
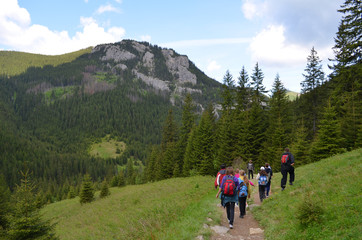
(113, 52)
(148, 60)
(139, 47)
(187, 90)
(256, 231)
(179, 66)
(121, 66)
(220, 229)
(155, 82)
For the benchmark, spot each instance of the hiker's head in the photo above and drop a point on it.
(237, 171)
(242, 172)
(250, 161)
(262, 168)
(229, 171)
(267, 165)
(286, 149)
(223, 166)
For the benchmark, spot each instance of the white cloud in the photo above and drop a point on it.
(146, 38)
(271, 47)
(107, 8)
(253, 8)
(213, 66)
(118, 1)
(17, 32)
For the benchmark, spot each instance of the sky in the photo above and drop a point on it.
(217, 36)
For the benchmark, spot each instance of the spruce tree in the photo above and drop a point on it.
(104, 189)
(87, 192)
(313, 78)
(25, 220)
(300, 147)
(188, 121)
(227, 93)
(328, 141)
(256, 83)
(71, 193)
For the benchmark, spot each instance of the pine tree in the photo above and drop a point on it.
(25, 220)
(301, 145)
(347, 47)
(188, 121)
(328, 141)
(227, 93)
(313, 78)
(71, 193)
(104, 190)
(189, 158)
(87, 192)
(257, 84)
(242, 91)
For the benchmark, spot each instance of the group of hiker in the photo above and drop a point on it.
(234, 185)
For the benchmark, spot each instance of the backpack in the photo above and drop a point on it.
(263, 180)
(229, 187)
(220, 176)
(243, 190)
(285, 158)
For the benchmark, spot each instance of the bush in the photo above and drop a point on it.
(309, 211)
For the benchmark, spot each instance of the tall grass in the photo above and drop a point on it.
(324, 203)
(169, 209)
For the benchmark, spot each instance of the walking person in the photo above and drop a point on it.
(262, 182)
(250, 168)
(287, 162)
(220, 175)
(243, 194)
(229, 194)
(269, 171)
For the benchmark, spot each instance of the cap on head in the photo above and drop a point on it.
(262, 168)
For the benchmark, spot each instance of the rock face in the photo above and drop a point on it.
(145, 61)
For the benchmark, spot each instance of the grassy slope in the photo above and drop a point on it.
(107, 148)
(13, 63)
(161, 210)
(292, 95)
(334, 184)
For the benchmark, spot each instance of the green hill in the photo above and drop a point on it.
(324, 202)
(170, 209)
(14, 63)
(292, 95)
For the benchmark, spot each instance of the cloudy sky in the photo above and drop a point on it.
(216, 35)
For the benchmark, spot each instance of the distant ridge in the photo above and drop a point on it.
(13, 63)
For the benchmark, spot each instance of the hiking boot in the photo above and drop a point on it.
(282, 189)
(291, 183)
(231, 226)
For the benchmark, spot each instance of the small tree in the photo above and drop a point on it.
(25, 219)
(87, 191)
(104, 190)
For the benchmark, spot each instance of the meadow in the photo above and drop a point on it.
(324, 203)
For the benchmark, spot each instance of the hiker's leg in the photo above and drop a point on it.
(267, 189)
(261, 189)
(283, 182)
(252, 174)
(291, 173)
(249, 174)
(227, 205)
(242, 205)
(232, 210)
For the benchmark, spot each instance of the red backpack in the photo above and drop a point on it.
(220, 175)
(285, 158)
(229, 187)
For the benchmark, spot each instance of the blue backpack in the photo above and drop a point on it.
(243, 190)
(263, 180)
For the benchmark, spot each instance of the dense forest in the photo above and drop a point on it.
(50, 115)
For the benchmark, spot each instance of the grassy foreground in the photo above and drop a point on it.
(324, 203)
(170, 209)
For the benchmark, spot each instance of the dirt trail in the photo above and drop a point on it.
(244, 228)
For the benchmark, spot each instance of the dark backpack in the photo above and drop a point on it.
(285, 158)
(263, 180)
(229, 186)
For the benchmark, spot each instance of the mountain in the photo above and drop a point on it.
(52, 114)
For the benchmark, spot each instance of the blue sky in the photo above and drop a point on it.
(216, 35)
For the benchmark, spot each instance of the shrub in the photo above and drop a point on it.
(309, 211)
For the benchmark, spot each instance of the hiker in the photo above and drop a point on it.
(229, 194)
(237, 171)
(287, 162)
(262, 182)
(243, 181)
(269, 171)
(246, 180)
(220, 175)
(250, 168)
